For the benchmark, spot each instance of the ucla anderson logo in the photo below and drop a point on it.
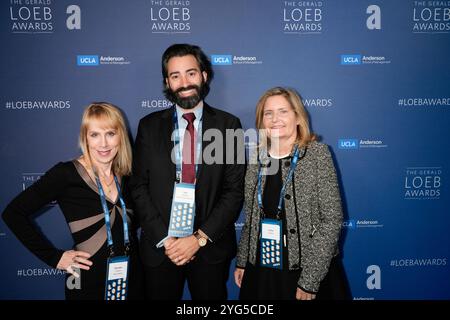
(350, 59)
(222, 59)
(87, 60)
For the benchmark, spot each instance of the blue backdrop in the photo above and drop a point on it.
(374, 75)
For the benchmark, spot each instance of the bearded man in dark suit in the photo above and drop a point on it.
(202, 257)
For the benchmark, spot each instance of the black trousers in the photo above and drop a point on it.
(205, 281)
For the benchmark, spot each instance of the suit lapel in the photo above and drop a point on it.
(208, 122)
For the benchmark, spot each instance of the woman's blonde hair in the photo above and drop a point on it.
(113, 118)
(304, 135)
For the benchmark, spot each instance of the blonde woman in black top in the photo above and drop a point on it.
(76, 186)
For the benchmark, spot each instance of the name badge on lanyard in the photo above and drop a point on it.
(271, 244)
(182, 215)
(116, 286)
(183, 210)
(271, 240)
(117, 278)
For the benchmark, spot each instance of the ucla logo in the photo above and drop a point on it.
(350, 224)
(221, 59)
(349, 59)
(87, 60)
(348, 144)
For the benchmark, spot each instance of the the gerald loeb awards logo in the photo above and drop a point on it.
(170, 16)
(302, 17)
(431, 17)
(423, 183)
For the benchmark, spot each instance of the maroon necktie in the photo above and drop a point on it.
(188, 164)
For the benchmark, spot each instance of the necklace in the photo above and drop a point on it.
(102, 179)
(108, 185)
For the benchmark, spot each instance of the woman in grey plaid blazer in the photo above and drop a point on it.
(310, 210)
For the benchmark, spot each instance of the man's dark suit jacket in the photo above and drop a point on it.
(219, 190)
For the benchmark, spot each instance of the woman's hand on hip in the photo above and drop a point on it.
(72, 259)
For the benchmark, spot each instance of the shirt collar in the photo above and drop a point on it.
(198, 111)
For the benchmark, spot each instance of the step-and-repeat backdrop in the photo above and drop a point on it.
(374, 76)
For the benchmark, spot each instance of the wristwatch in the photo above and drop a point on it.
(201, 240)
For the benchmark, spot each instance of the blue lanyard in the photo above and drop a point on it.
(285, 184)
(107, 218)
(176, 143)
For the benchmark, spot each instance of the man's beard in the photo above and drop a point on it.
(187, 102)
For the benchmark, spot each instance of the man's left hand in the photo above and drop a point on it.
(182, 250)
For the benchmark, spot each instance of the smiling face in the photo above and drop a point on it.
(185, 81)
(279, 119)
(102, 141)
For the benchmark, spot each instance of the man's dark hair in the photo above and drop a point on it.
(184, 49)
